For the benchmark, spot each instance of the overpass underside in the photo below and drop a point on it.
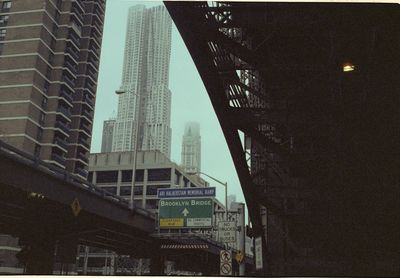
(320, 163)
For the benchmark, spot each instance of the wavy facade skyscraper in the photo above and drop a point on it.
(145, 78)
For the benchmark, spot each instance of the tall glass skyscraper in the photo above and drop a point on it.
(145, 78)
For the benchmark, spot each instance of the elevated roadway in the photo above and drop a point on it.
(52, 211)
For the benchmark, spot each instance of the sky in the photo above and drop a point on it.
(190, 101)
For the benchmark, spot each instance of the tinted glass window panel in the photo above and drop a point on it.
(151, 204)
(159, 174)
(138, 190)
(125, 190)
(127, 175)
(107, 177)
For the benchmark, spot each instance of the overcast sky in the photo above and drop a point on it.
(190, 101)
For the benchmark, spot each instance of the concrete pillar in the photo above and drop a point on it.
(145, 178)
(38, 256)
(157, 264)
(94, 178)
(85, 260)
(242, 237)
(119, 180)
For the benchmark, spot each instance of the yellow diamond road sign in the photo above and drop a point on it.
(76, 207)
(239, 257)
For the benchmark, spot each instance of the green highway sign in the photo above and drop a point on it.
(185, 213)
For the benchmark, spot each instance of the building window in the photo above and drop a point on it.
(42, 118)
(46, 87)
(4, 20)
(177, 177)
(127, 175)
(110, 189)
(6, 6)
(1, 48)
(2, 34)
(37, 150)
(138, 190)
(152, 189)
(53, 44)
(48, 73)
(107, 177)
(51, 58)
(44, 103)
(125, 190)
(151, 204)
(39, 134)
(159, 174)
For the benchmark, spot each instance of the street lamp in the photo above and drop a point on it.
(225, 184)
(348, 66)
(135, 135)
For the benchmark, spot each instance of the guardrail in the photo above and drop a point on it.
(28, 159)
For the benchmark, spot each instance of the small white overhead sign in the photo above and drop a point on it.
(258, 253)
(227, 231)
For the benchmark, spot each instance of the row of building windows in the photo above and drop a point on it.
(163, 174)
(151, 190)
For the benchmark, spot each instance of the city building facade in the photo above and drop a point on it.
(108, 131)
(113, 173)
(49, 60)
(144, 105)
(191, 148)
(231, 199)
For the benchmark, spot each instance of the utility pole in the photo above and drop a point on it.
(242, 238)
(85, 260)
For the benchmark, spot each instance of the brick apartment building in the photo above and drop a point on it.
(49, 60)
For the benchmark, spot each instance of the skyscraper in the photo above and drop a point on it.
(191, 148)
(231, 199)
(146, 98)
(108, 131)
(49, 59)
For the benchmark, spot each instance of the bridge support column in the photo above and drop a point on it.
(156, 263)
(38, 256)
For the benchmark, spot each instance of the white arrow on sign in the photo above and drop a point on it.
(185, 212)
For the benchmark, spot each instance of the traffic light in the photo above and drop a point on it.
(249, 231)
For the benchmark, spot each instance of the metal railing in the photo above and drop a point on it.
(62, 126)
(60, 142)
(83, 142)
(58, 158)
(61, 174)
(64, 111)
(67, 96)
